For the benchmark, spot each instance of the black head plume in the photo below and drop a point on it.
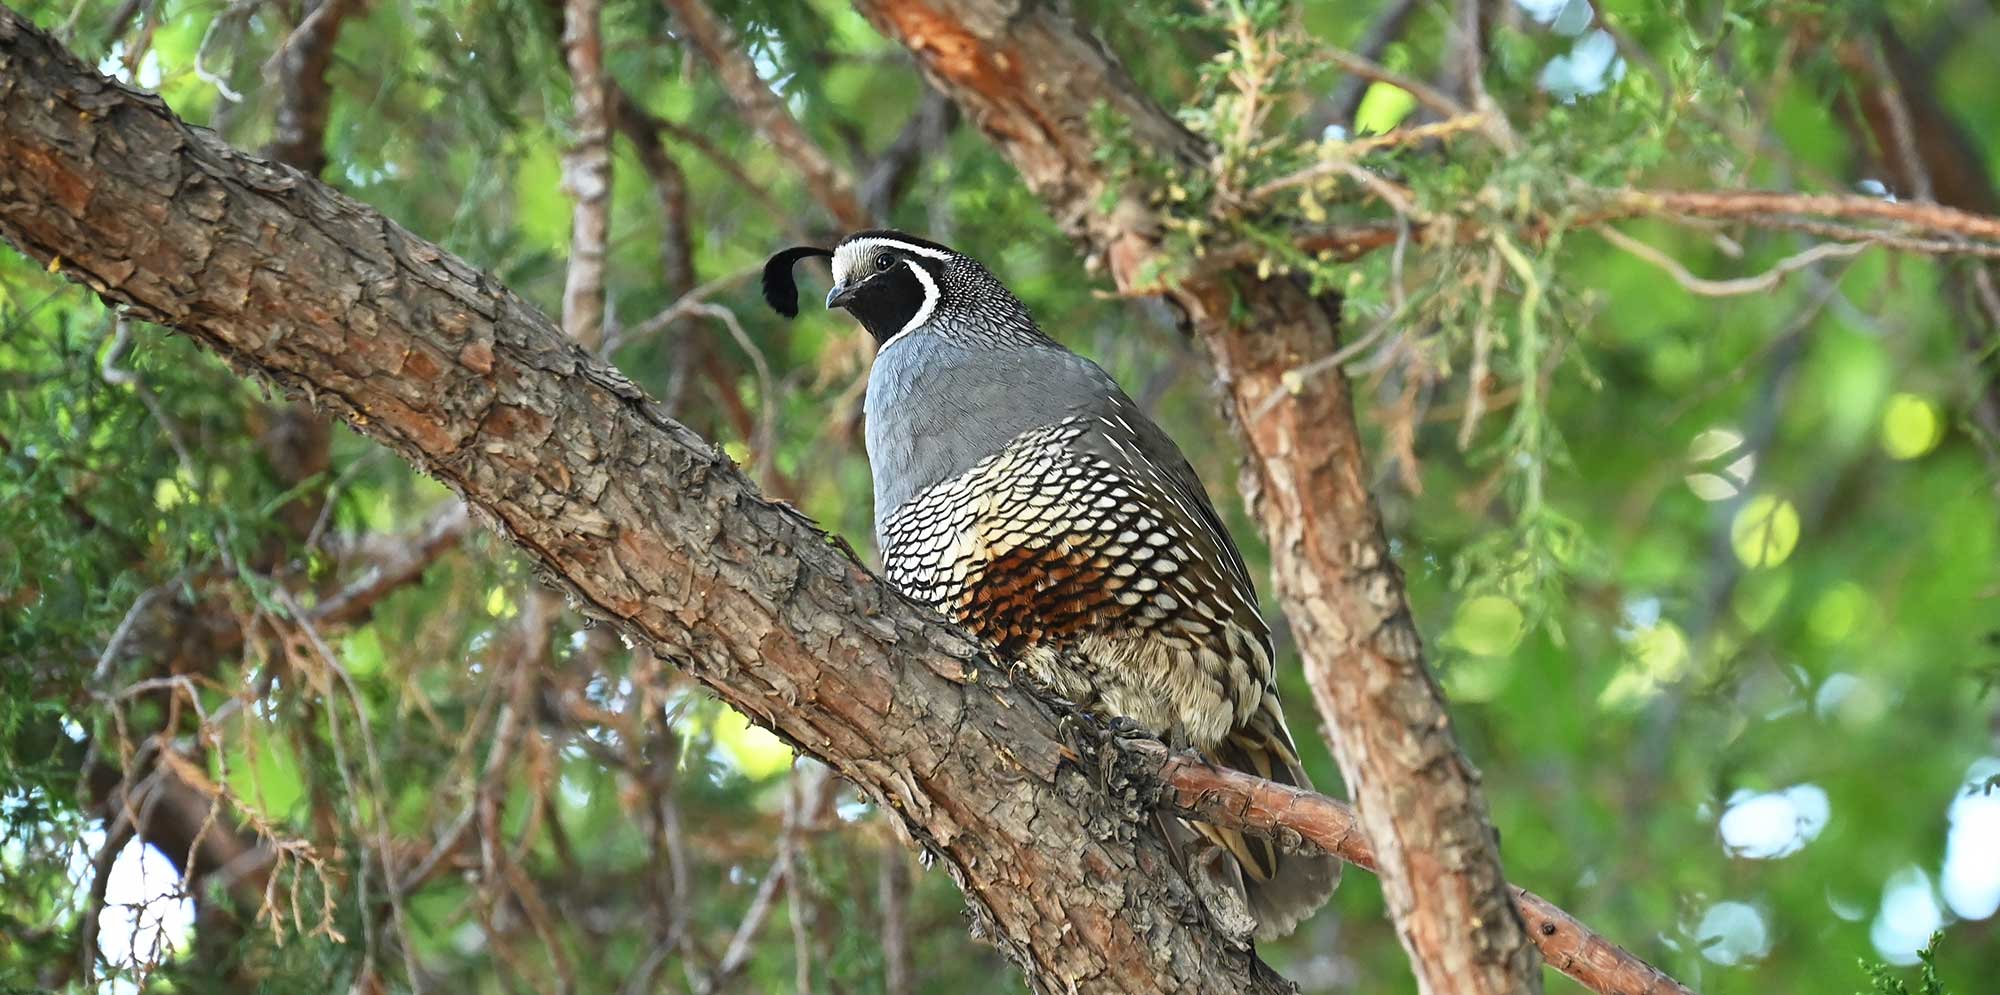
(779, 289)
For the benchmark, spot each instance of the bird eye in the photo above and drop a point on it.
(884, 261)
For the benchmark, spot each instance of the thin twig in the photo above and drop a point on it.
(87, 952)
(1235, 800)
(402, 564)
(1901, 128)
(119, 376)
(660, 130)
(1740, 285)
(1482, 349)
(803, 804)
(378, 787)
(99, 673)
(687, 305)
(1344, 101)
(767, 421)
(1927, 218)
(1468, 39)
(1295, 378)
(1369, 69)
(1337, 157)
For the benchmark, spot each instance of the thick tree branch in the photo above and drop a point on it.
(640, 520)
(1033, 81)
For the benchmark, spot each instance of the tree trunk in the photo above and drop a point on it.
(639, 520)
(1032, 81)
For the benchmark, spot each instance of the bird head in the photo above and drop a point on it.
(892, 282)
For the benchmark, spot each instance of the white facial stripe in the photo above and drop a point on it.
(850, 255)
(924, 310)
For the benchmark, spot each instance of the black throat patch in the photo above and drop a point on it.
(886, 302)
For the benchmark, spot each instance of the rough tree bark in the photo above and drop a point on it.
(642, 522)
(1031, 79)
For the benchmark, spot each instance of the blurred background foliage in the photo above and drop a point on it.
(1711, 585)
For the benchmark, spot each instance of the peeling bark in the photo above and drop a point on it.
(640, 521)
(1032, 80)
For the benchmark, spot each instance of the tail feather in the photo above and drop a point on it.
(1282, 888)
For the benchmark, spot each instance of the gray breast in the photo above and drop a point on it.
(935, 407)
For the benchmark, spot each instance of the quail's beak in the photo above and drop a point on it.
(839, 296)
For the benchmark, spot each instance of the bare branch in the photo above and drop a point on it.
(298, 71)
(927, 128)
(1933, 154)
(670, 186)
(893, 891)
(1755, 206)
(830, 184)
(87, 926)
(1240, 801)
(586, 172)
(1740, 285)
(1368, 69)
(806, 793)
(1340, 106)
(401, 563)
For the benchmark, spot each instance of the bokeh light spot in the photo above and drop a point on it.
(1909, 916)
(1758, 598)
(1837, 612)
(1911, 426)
(1713, 479)
(1733, 932)
(1971, 877)
(1658, 655)
(1765, 531)
(1382, 108)
(753, 749)
(1773, 824)
(1661, 651)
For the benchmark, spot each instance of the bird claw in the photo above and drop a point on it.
(1124, 727)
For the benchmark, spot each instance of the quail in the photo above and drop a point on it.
(1020, 492)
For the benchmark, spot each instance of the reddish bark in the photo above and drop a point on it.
(1033, 82)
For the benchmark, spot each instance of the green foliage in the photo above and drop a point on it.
(1883, 980)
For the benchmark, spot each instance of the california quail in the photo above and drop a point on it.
(1022, 493)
